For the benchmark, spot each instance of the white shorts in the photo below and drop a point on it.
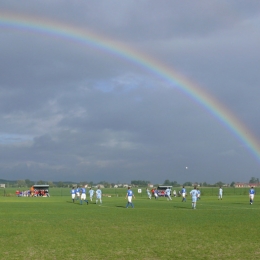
(193, 199)
(155, 195)
(83, 196)
(98, 197)
(129, 199)
(73, 196)
(77, 194)
(183, 195)
(251, 196)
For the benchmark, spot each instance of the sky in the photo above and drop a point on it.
(130, 90)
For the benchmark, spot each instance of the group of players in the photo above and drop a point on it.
(195, 195)
(79, 193)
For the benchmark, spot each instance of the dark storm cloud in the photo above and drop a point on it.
(72, 112)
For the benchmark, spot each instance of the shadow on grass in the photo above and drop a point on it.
(180, 207)
(120, 206)
(75, 203)
(240, 203)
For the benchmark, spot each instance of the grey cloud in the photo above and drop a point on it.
(72, 112)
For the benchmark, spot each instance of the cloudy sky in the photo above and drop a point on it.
(76, 107)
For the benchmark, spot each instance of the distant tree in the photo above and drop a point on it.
(175, 184)
(187, 183)
(254, 180)
(220, 183)
(41, 182)
(21, 183)
(82, 183)
(167, 182)
(232, 184)
(140, 183)
(29, 183)
(60, 184)
(51, 184)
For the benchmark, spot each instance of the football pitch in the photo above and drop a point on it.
(56, 228)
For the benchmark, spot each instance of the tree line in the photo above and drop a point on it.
(138, 183)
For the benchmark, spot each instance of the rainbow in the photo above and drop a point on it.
(214, 107)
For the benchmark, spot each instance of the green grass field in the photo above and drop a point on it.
(55, 228)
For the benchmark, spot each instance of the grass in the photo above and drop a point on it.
(55, 228)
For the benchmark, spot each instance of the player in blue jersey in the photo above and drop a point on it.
(251, 195)
(220, 193)
(194, 196)
(91, 194)
(129, 197)
(148, 193)
(98, 195)
(78, 193)
(73, 194)
(183, 194)
(83, 196)
(168, 194)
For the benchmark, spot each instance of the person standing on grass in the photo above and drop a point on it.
(83, 196)
(98, 195)
(73, 194)
(129, 197)
(155, 193)
(91, 194)
(148, 193)
(183, 194)
(220, 193)
(168, 194)
(251, 195)
(194, 196)
(198, 194)
(78, 193)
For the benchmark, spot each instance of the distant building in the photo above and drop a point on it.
(101, 186)
(2, 185)
(240, 185)
(246, 185)
(253, 185)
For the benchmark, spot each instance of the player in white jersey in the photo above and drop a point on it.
(148, 193)
(220, 193)
(168, 194)
(251, 195)
(129, 196)
(198, 194)
(194, 196)
(73, 194)
(98, 195)
(91, 194)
